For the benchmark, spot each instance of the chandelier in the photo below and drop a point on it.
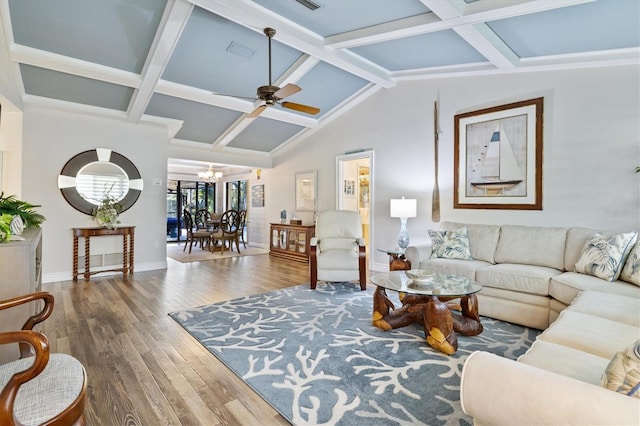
(209, 175)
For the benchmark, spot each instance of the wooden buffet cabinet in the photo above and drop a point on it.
(291, 241)
(20, 274)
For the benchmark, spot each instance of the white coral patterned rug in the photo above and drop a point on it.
(316, 358)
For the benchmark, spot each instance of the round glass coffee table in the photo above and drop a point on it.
(426, 299)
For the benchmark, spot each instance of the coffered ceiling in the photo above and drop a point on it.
(175, 61)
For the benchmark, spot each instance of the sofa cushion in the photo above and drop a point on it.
(615, 307)
(463, 268)
(623, 372)
(565, 287)
(524, 278)
(631, 270)
(531, 245)
(451, 244)
(567, 361)
(603, 256)
(576, 239)
(598, 336)
(483, 239)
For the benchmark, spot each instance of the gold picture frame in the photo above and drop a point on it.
(498, 157)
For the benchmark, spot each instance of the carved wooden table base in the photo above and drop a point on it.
(439, 322)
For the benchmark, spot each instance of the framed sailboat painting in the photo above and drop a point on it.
(498, 157)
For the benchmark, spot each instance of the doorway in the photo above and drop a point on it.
(354, 189)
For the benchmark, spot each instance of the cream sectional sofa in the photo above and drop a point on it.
(526, 272)
(558, 380)
(528, 278)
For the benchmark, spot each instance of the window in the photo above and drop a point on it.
(237, 195)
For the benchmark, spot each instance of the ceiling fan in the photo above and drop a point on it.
(271, 95)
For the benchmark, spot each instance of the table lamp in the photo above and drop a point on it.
(403, 209)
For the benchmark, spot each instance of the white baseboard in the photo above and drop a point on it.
(68, 275)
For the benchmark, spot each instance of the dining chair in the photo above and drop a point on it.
(201, 236)
(41, 387)
(228, 231)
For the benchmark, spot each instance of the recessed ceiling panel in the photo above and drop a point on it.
(601, 25)
(202, 123)
(116, 33)
(325, 86)
(71, 88)
(265, 135)
(335, 17)
(218, 55)
(427, 50)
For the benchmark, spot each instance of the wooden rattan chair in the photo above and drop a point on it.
(42, 389)
(201, 236)
(228, 231)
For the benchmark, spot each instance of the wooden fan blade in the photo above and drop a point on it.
(302, 108)
(256, 112)
(287, 90)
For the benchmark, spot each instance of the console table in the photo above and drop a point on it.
(291, 241)
(128, 246)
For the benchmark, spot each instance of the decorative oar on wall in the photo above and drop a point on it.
(435, 197)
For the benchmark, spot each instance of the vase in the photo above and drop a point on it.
(107, 217)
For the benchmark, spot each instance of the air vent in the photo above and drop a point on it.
(309, 4)
(240, 50)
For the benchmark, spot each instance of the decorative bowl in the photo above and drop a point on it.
(420, 275)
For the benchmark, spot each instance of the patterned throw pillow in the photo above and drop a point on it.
(631, 271)
(603, 256)
(623, 372)
(452, 244)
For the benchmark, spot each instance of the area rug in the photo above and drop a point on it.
(174, 251)
(316, 358)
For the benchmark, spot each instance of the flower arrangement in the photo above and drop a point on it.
(107, 212)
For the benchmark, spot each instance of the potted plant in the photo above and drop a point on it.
(15, 215)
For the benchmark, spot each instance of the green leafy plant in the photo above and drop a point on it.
(5, 228)
(10, 205)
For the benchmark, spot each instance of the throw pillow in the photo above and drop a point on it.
(631, 270)
(603, 255)
(623, 372)
(451, 244)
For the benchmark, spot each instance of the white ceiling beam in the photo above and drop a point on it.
(444, 16)
(479, 36)
(174, 19)
(297, 70)
(232, 131)
(66, 106)
(11, 87)
(68, 65)
(255, 17)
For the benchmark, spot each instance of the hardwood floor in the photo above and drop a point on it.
(142, 367)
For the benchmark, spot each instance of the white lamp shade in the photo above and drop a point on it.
(401, 207)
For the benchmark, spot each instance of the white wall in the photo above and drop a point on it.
(50, 139)
(591, 148)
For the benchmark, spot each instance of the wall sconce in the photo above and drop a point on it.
(218, 175)
(403, 208)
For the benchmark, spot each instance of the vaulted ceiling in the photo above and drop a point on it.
(175, 62)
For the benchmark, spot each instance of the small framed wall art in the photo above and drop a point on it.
(305, 191)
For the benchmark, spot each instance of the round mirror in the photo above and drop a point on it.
(92, 175)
